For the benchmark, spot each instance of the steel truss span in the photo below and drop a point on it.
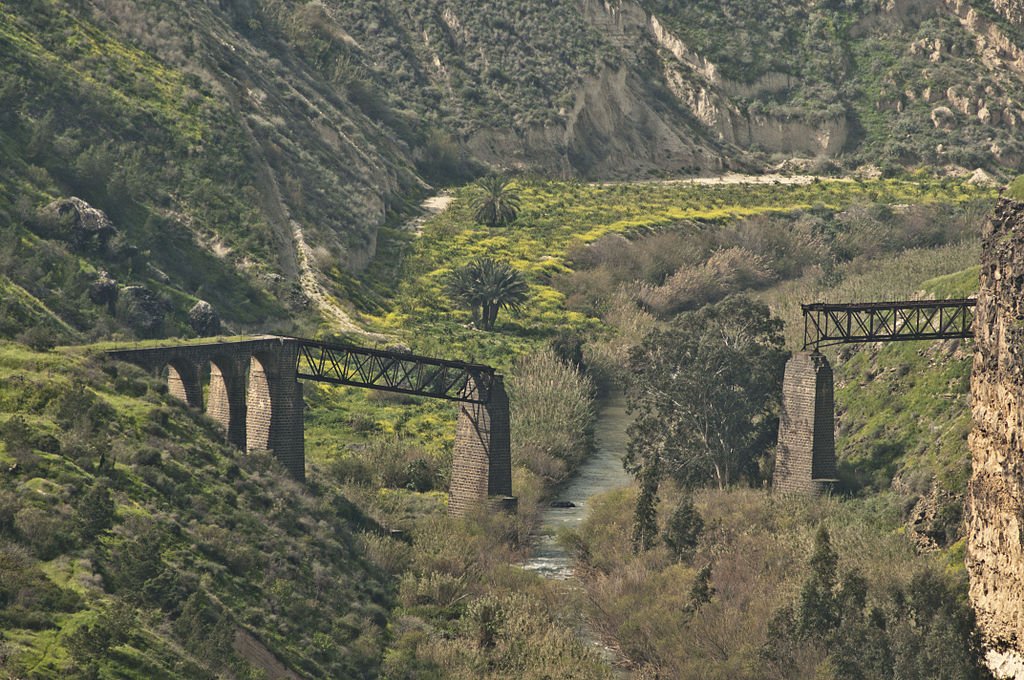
(834, 324)
(394, 372)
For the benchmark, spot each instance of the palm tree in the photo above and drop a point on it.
(486, 286)
(498, 205)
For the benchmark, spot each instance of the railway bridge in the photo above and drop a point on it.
(255, 393)
(805, 460)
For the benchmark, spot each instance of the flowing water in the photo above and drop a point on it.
(601, 472)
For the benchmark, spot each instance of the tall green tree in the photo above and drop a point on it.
(486, 286)
(497, 204)
(645, 515)
(705, 392)
(683, 530)
(923, 629)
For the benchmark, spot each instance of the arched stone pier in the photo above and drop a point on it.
(184, 382)
(274, 408)
(227, 396)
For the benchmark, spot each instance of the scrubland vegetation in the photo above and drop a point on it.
(134, 544)
(134, 538)
(721, 584)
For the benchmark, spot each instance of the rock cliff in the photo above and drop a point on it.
(995, 505)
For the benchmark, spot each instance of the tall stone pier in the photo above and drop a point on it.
(805, 459)
(995, 496)
(482, 457)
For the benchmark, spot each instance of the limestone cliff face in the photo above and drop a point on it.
(612, 131)
(995, 505)
(703, 94)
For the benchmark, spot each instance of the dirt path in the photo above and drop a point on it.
(733, 178)
(317, 293)
(431, 206)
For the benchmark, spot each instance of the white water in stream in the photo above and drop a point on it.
(601, 472)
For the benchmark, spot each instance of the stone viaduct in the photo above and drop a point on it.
(254, 392)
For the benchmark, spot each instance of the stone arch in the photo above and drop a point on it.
(259, 401)
(184, 382)
(226, 401)
(274, 408)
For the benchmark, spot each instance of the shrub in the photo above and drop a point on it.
(47, 530)
(399, 464)
(726, 272)
(683, 530)
(552, 408)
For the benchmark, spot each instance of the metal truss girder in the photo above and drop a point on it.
(833, 324)
(394, 372)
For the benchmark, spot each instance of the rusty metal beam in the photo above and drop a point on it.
(392, 371)
(834, 324)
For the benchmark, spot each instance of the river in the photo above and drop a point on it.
(601, 472)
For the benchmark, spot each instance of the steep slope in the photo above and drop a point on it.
(133, 543)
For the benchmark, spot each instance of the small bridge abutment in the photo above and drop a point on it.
(805, 459)
(253, 391)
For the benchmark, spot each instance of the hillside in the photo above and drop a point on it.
(248, 154)
(134, 544)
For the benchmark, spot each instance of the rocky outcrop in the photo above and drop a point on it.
(104, 291)
(78, 223)
(612, 131)
(204, 319)
(710, 98)
(142, 309)
(995, 504)
(1012, 10)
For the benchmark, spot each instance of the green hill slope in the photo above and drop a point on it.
(134, 544)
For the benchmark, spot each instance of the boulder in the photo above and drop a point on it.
(142, 309)
(204, 319)
(943, 118)
(78, 223)
(104, 291)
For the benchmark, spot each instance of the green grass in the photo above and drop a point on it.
(1015, 189)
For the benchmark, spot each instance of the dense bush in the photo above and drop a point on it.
(552, 407)
(923, 629)
(761, 600)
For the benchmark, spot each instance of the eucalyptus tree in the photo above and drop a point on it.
(706, 391)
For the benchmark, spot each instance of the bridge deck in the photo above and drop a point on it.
(394, 372)
(832, 324)
(387, 370)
